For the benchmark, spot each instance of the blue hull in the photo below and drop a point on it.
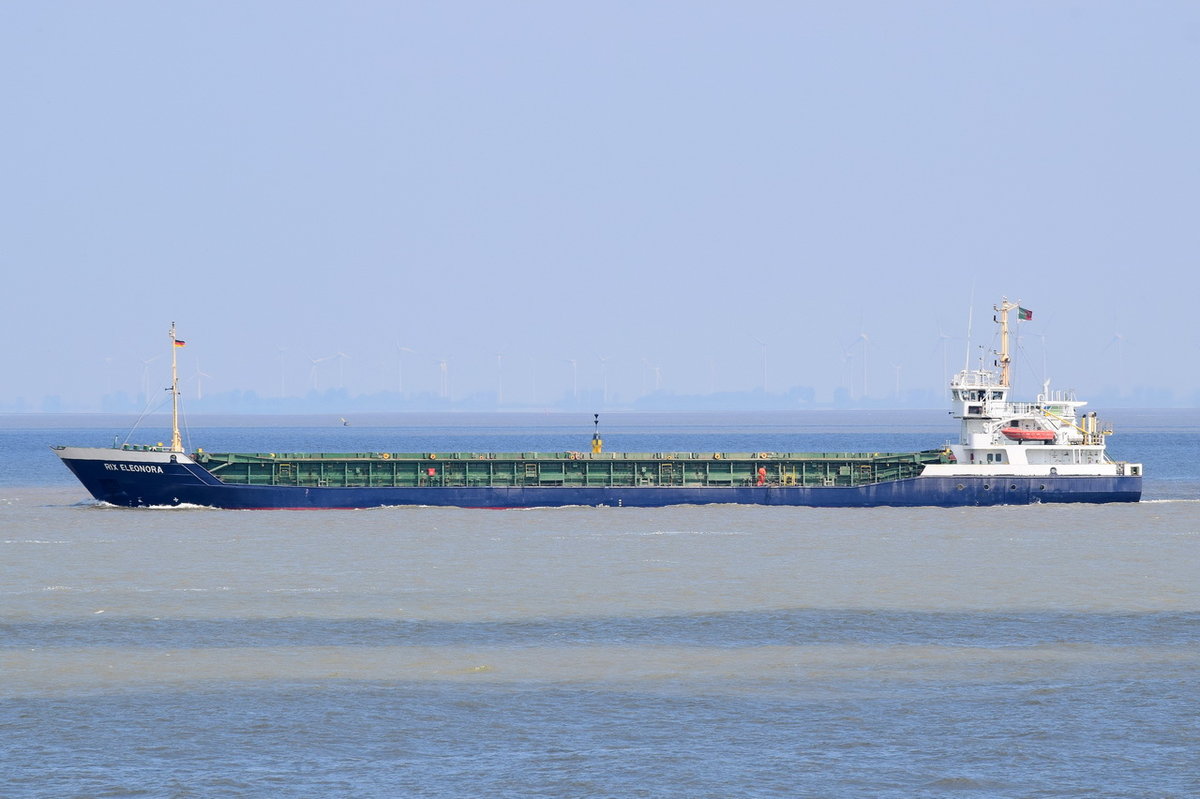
(189, 484)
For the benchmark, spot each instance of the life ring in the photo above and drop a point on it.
(574, 456)
(433, 456)
(716, 456)
(764, 455)
(385, 455)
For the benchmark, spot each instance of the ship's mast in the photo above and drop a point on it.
(1005, 360)
(176, 441)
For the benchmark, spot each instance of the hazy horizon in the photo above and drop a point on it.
(351, 208)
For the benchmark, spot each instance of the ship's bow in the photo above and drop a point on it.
(135, 477)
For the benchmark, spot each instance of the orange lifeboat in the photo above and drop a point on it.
(1017, 434)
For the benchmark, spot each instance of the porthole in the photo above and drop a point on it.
(1042, 487)
(961, 486)
(987, 487)
(1012, 487)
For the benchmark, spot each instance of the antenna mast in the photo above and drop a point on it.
(176, 441)
(1005, 360)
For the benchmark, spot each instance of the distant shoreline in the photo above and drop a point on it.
(930, 418)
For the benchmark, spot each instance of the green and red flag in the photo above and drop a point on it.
(1024, 314)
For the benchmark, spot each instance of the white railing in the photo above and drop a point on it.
(975, 379)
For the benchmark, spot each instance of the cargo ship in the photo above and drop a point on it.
(1008, 453)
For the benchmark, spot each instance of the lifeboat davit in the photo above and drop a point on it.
(1018, 434)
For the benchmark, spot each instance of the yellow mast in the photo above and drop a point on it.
(1005, 360)
(176, 441)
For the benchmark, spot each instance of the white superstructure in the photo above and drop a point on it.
(1049, 436)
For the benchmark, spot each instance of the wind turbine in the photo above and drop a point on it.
(341, 359)
(146, 376)
(499, 378)
(108, 381)
(865, 340)
(944, 339)
(1118, 340)
(847, 365)
(1042, 339)
(282, 372)
(400, 367)
(312, 373)
(444, 382)
(604, 359)
(574, 379)
(533, 379)
(763, 345)
(199, 384)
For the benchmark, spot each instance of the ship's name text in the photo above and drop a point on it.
(134, 467)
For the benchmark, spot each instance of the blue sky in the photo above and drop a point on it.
(659, 192)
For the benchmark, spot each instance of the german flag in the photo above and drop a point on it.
(180, 342)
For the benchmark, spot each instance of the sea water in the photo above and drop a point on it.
(721, 651)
